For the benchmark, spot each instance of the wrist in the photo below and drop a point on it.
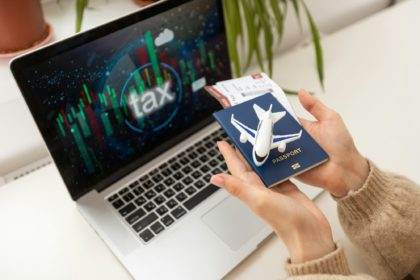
(353, 175)
(309, 244)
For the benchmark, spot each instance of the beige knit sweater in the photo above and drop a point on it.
(383, 220)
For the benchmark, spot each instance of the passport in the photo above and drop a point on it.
(292, 150)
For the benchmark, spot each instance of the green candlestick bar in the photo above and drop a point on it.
(115, 105)
(83, 124)
(82, 147)
(87, 93)
(153, 57)
(107, 124)
(139, 82)
(191, 70)
(149, 82)
(60, 127)
(184, 74)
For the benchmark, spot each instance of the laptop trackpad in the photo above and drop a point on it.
(233, 222)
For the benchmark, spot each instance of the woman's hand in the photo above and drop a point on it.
(291, 214)
(346, 169)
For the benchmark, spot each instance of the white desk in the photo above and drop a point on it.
(372, 69)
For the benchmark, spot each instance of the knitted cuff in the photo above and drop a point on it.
(366, 201)
(332, 263)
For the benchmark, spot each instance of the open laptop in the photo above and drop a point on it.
(124, 115)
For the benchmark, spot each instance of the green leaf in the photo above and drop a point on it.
(80, 10)
(232, 36)
(317, 46)
(279, 18)
(296, 8)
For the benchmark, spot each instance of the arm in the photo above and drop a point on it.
(379, 212)
(382, 219)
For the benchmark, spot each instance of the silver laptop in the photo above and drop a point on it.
(124, 115)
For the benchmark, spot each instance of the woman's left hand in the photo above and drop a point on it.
(292, 215)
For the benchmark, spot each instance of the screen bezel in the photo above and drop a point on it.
(19, 64)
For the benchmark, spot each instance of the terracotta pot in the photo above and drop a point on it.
(22, 25)
(145, 2)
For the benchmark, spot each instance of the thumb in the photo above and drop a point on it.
(235, 187)
(313, 105)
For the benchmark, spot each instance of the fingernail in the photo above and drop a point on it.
(217, 180)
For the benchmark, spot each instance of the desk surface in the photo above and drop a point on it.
(371, 67)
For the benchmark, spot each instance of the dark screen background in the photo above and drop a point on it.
(85, 99)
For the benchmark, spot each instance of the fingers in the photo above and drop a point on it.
(313, 105)
(236, 166)
(307, 125)
(236, 187)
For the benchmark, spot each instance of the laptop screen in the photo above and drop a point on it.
(107, 101)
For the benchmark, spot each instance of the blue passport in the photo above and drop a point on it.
(285, 151)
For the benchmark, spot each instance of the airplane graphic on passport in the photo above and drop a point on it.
(262, 139)
(271, 140)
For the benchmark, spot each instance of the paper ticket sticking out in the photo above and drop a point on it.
(236, 91)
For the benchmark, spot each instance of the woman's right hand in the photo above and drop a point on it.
(346, 169)
(292, 215)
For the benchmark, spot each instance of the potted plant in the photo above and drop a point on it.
(22, 26)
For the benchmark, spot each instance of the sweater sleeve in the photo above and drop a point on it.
(332, 266)
(383, 220)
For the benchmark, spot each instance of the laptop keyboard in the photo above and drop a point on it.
(158, 199)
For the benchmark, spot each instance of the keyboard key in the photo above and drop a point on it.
(186, 169)
(134, 185)
(190, 190)
(212, 152)
(162, 210)
(113, 197)
(201, 150)
(159, 188)
(175, 166)
(178, 175)
(181, 196)
(195, 163)
(144, 178)
(169, 193)
(150, 194)
(187, 180)
(196, 174)
(207, 177)
(171, 203)
(166, 172)
(146, 235)
(148, 184)
(133, 217)
(216, 171)
(117, 203)
(220, 158)
(204, 168)
(157, 178)
(149, 206)
(200, 196)
(193, 155)
(127, 209)
(138, 191)
(204, 158)
(157, 227)
(140, 201)
(167, 220)
(184, 160)
(172, 160)
(159, 200)
(209, 145)
(213, 163)
(123, 191)
(199, 184)
(145, 222)
(128, 197)
(178, 212)
(178, 187)
(169, 181)
(224, 167)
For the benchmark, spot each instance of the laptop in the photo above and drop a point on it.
(129, 126)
